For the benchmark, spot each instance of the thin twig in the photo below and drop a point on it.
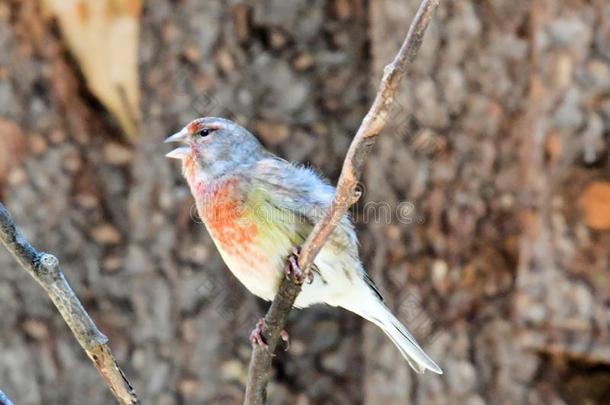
(259, 371)
(45, 269)
(4, 400)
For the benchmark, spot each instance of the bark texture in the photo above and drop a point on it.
(485, 252)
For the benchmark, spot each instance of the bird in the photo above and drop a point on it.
(258, 207)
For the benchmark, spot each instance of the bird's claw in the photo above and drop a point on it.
(293, 270)
(256, 336)
(284, 336)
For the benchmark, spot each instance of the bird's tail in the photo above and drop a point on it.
(375, 311)
(407, 345)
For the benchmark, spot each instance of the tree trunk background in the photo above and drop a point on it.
(485, 171)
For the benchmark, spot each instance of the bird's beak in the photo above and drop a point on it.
(182, 151)
(179, 136)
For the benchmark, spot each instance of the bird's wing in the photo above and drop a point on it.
(295, 197)
(292, 199)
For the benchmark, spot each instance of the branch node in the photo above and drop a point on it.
(388, 69)
(49, 262)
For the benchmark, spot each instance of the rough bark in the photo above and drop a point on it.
(468, 260)
(502, 265)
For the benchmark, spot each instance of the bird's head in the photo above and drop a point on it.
(214, 146)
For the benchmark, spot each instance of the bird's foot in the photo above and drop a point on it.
(256, 336)
(293, 270)
(284, 336)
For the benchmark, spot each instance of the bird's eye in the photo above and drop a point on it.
(204, 132)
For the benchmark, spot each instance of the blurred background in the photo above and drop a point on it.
(494, 166)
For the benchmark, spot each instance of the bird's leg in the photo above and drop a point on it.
(256, 334)
(293, 270)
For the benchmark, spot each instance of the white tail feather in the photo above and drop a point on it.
(372, 309)
(407, 345)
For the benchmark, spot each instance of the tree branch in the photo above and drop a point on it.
(45, 269)
(4, 400)
(259, 371)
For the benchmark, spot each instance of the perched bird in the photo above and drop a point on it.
(258, 207)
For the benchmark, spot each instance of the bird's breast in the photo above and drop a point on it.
(238, 235)
(224, 213)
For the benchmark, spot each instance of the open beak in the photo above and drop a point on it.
(182, 151)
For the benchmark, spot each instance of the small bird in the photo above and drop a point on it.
(258, 208)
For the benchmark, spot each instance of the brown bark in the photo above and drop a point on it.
(465, 270)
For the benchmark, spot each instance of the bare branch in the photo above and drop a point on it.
(45, 269)
(259, 371)
(4, 400)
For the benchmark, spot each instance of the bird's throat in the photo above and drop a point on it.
(218, 202)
